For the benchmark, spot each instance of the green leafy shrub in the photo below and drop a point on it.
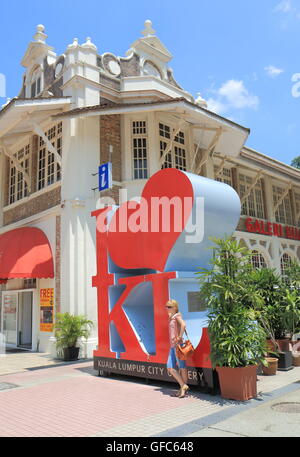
(69, 329)
(236, 338)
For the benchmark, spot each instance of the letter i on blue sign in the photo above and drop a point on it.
(105, 176)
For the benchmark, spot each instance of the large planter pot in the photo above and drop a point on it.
(71, 353)
(284, 344)
(296, 359)
(272, 367)
(285, 361)
(238, 383)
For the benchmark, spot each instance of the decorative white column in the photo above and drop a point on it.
(81, 72)
(80, 159)
(78, 252)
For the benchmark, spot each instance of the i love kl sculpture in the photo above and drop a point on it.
(147, 253)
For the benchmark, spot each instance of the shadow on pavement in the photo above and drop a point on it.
(58, 364)
(165, 387)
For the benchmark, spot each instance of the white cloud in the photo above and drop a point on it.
(273, 72)
(216, 106)
(288, 10)
(237, 95)
(284, 6)
(232, 95)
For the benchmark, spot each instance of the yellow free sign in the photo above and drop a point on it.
(46, 310)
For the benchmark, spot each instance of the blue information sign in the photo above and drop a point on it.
(105, 176)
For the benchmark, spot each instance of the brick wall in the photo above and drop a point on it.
(34, 206)
(55, 88)
(50, 82)
(110, 134)
(49, 73)
(130, 67)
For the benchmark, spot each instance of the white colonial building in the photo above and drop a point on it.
(79, 110)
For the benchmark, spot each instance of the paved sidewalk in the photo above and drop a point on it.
(280, 416)
(71, 400)
(15, 361)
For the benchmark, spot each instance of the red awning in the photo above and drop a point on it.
(25, 253)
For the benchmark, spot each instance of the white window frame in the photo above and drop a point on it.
(48, 170)
(180, 144)
(139, 149)
(224, 176)
(17, 186)
(297, 207)
(252, 206)
(284, 213)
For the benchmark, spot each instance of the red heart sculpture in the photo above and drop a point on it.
(150, 246)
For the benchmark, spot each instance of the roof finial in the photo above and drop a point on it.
(89, 44)
(200, 101)
(74, 44)
(148, 29)
(40, 36)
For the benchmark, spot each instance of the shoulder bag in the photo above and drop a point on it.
(185, 349)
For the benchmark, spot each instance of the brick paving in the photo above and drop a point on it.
(71, 400)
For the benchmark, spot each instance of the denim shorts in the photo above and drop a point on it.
(173, 361)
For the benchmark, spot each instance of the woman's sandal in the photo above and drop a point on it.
(183, 391)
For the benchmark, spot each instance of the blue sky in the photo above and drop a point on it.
(240, 55)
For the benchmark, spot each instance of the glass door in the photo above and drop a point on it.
(25, 320)
(9, 317)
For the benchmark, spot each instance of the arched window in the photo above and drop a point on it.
(258, 260)
(285, 262)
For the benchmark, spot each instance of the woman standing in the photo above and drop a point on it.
(176, 330)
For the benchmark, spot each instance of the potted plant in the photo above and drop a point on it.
(268, 311)
(68, 330)
(291, 319)
(291, 316)
(238, 342)
(271, 366)
(271, 313)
